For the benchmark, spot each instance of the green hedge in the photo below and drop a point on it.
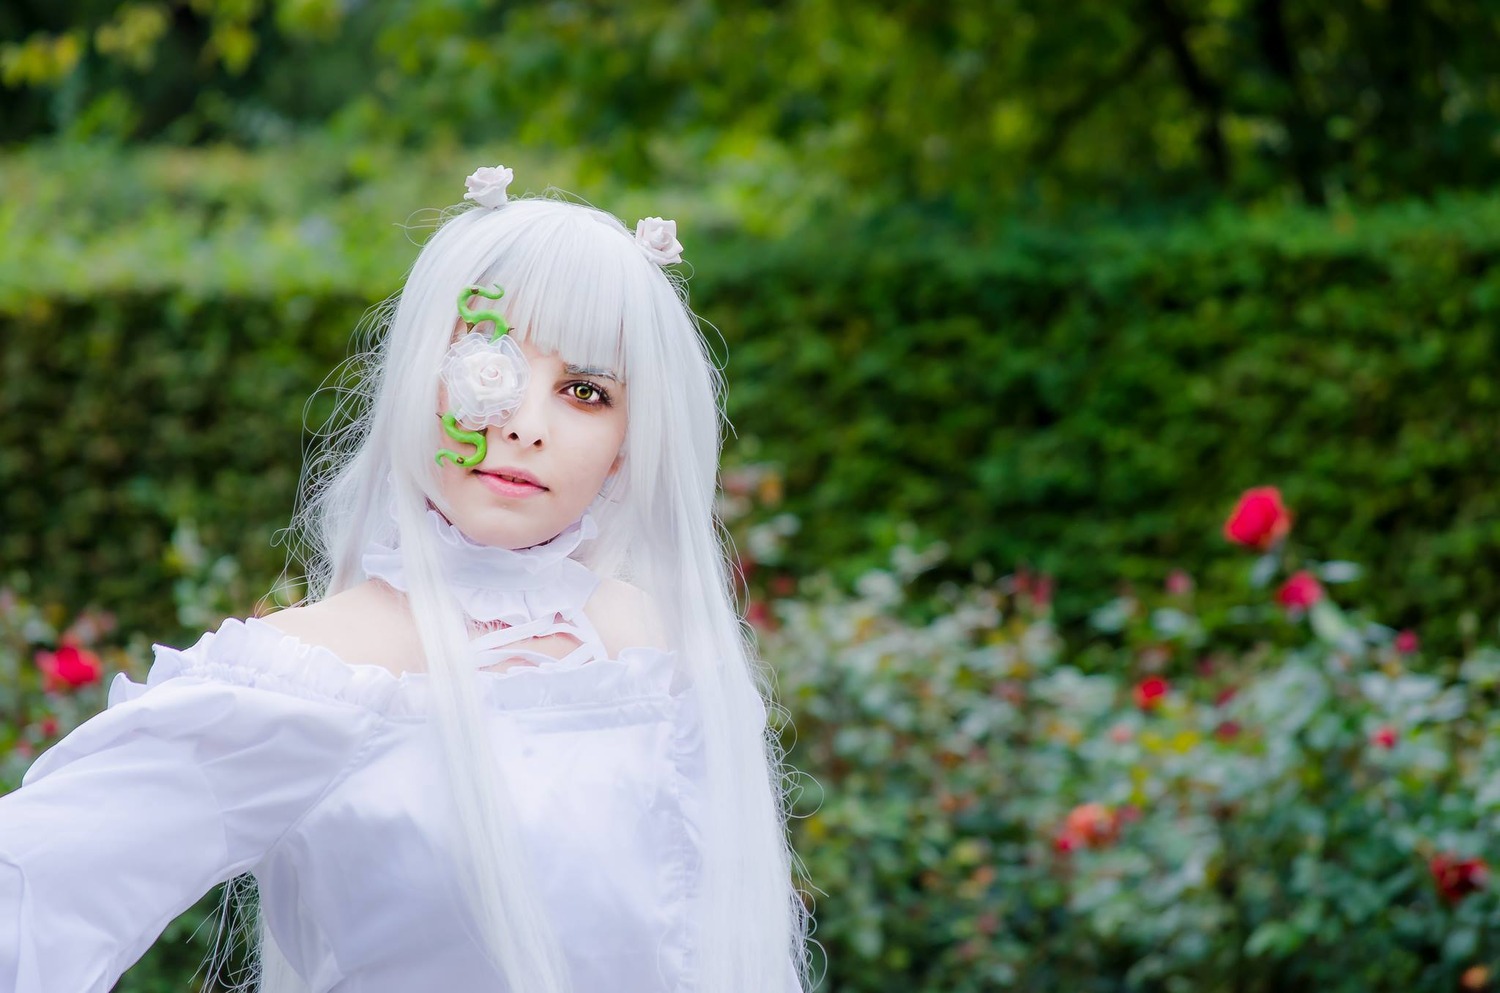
(1088, 401)
(1091, 402)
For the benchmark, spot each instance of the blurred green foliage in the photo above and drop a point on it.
(1088, 401)
(967, 107)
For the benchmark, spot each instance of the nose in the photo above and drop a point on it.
(527, 424)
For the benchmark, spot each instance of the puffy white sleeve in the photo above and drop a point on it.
(179, 785)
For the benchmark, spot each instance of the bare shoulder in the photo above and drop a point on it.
(625, 617)
(368, 624)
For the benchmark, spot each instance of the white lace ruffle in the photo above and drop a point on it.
(500, 584)
(254, 653)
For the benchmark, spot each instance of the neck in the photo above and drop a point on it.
(468, 565)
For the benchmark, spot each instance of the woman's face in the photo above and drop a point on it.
(566, 434)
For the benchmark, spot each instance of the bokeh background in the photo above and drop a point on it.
(1015, 300)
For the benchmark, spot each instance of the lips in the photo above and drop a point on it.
(514, 475)
(510, 482)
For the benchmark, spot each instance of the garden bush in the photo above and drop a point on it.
(1274, 797)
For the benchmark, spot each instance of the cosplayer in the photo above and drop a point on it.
(515, 739)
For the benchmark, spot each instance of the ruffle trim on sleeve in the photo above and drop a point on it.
(257, 654)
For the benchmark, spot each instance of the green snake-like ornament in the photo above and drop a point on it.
(473, 317)
(450, 421)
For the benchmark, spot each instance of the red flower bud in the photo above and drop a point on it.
(1407, 642)
(1456, 878)
(1150, 691)
(1384, 737)
(69, 668)
(1227, 730)
(1259, 519)
(1301, 591)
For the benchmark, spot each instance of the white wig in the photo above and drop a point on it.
(575, 284)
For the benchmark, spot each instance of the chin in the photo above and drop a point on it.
(505, 527)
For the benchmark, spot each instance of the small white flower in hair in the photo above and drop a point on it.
(658, 239)
(487, 185)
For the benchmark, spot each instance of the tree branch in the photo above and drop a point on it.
(1081, 106)
(1204, 91)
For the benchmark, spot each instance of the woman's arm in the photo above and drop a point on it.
(130, 819)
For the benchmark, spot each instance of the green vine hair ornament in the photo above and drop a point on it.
(485, 376)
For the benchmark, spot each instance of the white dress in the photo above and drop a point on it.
(255, 751)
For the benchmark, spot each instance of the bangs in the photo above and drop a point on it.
(572, 284)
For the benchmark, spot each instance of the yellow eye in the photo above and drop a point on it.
(589, 394)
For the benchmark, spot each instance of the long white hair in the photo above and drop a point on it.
(575, 284)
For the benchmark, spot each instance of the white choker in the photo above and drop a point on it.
(514, 585)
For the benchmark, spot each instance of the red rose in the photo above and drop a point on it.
(1407, 642)
(1225, 695)
(1089, 825)
(1456, 878)
(68, 668)
(48, 726)
(1227, 730)
(1149, 692)
(1302, 590)
(1385, 737)
(1259, 520)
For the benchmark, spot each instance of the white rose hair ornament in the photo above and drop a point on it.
(657, 237)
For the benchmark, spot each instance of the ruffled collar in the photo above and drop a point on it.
(494, 583)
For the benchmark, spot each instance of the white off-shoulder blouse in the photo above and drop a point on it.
(255, 751)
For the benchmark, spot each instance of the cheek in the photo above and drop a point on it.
(604, 446)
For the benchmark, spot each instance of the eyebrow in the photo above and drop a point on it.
(583, 370)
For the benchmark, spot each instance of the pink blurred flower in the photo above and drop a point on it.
(1407, 642)
(759, 614)
(783, 585)
(1179, 583)
(1300, 591)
